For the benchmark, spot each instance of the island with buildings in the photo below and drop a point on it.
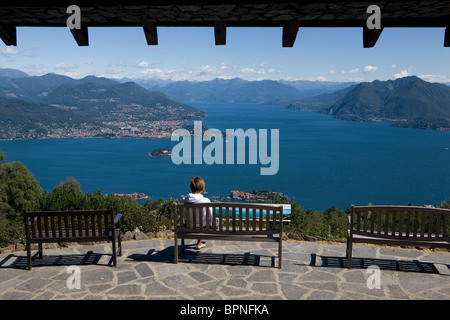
(160, 153)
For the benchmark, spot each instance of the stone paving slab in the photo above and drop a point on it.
(227, 271)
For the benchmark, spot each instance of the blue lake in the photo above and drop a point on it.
(323, 162)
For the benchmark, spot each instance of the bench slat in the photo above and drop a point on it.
(445, 226)
(99, 224)
(93, 229)
(408, 223)
(379, 216)
(422, 231)
(60, 232)
(438, 224)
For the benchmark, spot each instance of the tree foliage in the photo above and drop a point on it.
(19, 189)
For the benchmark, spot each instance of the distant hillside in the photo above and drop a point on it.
(119, 102)
(35, 88)
(303, 85)
(58, 106)
(318, 103)
(21, 119)
(234, 90)
(149, 84)
(12, 73)
(404, 98)
(411, 100)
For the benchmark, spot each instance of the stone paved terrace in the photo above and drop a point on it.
(227, 271)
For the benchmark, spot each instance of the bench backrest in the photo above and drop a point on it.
(400, 222)
(229, 217)
(69, 225)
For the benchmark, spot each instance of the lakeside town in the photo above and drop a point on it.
(142, 129)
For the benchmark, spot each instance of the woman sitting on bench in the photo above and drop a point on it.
(197, 187)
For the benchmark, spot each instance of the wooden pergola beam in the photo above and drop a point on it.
(370, 36)
(81, 35)
(447, 37)
(290, 31)
(220, 33)
(151, 34)
(8, 34)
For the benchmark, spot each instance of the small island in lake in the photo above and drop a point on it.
(160, 153)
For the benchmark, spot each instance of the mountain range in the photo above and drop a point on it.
(408, 101)
(240, 90)
(100, 104)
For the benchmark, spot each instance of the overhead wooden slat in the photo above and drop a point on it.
(370, 36)
(290, 31)
(81, 36)
(151, 34)
(220, 33)
(8, 34)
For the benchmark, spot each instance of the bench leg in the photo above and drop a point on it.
(114, 253)
(40, 250)
(120, 245)
(182, 246)
(349, 253)
(280, 249)
(175, 247)
(29, 255)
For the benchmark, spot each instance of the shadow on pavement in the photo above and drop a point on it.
(193, 255)
(89, 258)
(383, 264)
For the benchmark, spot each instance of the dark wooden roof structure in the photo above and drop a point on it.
(221, 14)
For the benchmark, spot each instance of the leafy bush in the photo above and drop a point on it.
(11, 230)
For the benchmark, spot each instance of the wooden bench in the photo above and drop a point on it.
(71, 226)
(228, 221)
(398, 226)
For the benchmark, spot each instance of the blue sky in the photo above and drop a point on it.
(332, 54)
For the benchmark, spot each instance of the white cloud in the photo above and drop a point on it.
(35, 67)
(75, 75)
(207, 72)
(331, 71)
(65, 66)
(369, 69)
(401, 74)
(214, 70)
(394, 66)
(164, 74)
(434, 78)
(144, 64)
(356, 79)
(353, 71)
(319, 78)
(8, 51)
(248, 70)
